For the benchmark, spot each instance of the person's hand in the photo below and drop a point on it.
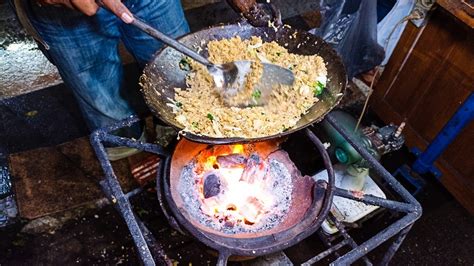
(90, 7)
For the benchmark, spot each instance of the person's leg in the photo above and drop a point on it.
(85, 51)
(164, 15)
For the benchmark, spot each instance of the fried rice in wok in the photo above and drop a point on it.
(202, 111)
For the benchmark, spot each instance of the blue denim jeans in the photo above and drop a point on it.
(85, 51)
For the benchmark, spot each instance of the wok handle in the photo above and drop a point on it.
(140, 24)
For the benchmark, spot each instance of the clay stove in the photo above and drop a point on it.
(243, 199)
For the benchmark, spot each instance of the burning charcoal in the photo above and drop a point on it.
(253, 169)
(231, 160)
(229, 224)
(254, 157)
(212, 186)
(228, 221)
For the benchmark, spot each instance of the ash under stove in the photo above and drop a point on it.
(190, 175)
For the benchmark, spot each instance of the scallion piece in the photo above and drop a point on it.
(256, 94)
(184, 64)
(210, 116)
(318, 88)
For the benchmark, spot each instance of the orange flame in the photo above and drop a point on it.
(238, 149)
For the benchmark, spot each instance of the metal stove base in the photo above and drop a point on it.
(151, 252)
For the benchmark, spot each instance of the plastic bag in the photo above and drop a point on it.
(350, 26)
(386, 34)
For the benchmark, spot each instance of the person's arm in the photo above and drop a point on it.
(242, 6)
(257, 14)
(90, 7)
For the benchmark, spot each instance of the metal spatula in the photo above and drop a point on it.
(230, 77)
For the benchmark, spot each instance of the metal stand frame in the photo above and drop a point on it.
(151, 252)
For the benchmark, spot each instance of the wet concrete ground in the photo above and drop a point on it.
(97, 235)
(23, 68)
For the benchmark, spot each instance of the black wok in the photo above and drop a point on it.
(163, 74)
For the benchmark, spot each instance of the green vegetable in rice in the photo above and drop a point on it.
(318, 88)
(184, 64)
(210, 116)
(256, 94)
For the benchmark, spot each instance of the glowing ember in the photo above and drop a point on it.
(233, 189)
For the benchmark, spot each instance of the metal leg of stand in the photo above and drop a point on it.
(395, 246)
(330, 250)
(344, 233)
(117, 196)
(122, 203)
(155, 247)
(327, 241)
(222, 259)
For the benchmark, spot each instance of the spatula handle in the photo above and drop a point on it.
(170, 41)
